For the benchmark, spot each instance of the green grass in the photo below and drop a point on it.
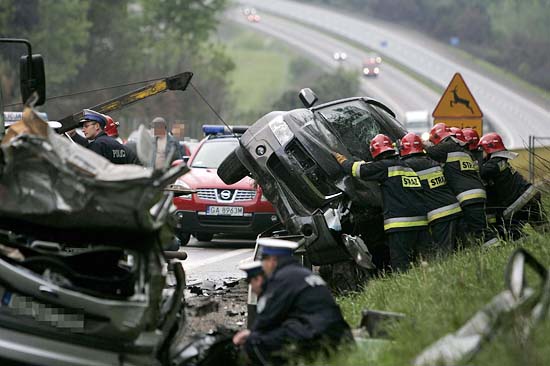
(262, 72)
(438, 298)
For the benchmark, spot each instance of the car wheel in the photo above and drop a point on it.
(231, 170)
(204, 236)
(184, 238)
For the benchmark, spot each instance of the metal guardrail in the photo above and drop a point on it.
(531, 150)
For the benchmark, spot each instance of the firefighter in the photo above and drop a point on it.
(443, 209)
(111, 128)
(462, 174)
(457, 133)
(515, 201)
(296, 312)
(405, 221)
(93, 124)
(471, 138)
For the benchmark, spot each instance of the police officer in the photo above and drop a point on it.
(514, 200)
(254, 276)
(443, 209)
(463, 177)
(296, 310)
(95, 139)
(405, 221)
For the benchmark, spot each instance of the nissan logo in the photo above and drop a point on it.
(225, 194)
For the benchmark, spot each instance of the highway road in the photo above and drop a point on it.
(395, 88)
(216, 260)
(512, 113)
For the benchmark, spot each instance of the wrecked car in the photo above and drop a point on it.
(290, 154)
(82, 271)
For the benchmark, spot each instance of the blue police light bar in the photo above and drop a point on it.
(219, 129)
(213, 129)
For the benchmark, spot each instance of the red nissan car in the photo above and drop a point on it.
(218, 208)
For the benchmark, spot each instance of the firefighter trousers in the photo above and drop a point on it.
(474, 225)
(444, 235)
(407, 246)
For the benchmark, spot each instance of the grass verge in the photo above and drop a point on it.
(262, 68)
(438, 298)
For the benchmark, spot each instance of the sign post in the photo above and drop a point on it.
(458, 107)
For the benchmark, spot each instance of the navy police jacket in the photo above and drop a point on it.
(109, 148)
(296, 306)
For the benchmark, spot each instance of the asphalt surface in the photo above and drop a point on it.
(393, 87)
(217, 260)
(513, 114)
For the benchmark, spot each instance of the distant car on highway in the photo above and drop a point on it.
(418, 122)
(340, 56)
(218, 208)
(371, 65)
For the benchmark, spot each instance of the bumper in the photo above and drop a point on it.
(194, 222)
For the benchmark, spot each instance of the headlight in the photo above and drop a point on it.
(425, 136)
(281, 130)
(366, 70)
(376, 70)
(180, 182)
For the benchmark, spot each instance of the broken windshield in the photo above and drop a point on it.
(354, 125)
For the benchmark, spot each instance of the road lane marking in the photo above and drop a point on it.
(215, 259)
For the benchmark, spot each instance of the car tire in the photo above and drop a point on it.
(204, 236)
(231, 170)
(184, 238)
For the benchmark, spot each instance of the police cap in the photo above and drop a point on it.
(252, 269)
(89, 115)
(276, 247)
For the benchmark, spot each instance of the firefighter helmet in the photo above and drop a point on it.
(439, 132)
(491, 143)
(379, 144)
(411, 143)
(457, 132)
(111, 128)
(470, 137)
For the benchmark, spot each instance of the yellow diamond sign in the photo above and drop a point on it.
(457, 102)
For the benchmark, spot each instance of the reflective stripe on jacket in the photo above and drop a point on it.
(461, 171)
(440, 201)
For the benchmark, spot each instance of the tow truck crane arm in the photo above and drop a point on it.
(176, 82)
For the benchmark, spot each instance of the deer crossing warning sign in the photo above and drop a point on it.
(458, 107)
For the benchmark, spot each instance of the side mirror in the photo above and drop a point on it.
(308, 97)
(186, 158)
(32, 78)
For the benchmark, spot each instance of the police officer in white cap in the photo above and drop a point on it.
(295, 308)
(254, 276)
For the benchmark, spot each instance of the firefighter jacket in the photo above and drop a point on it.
(402, 193)
(506, 188)
(460, 170)
(109, 148)
(441, 203)
(296, 306)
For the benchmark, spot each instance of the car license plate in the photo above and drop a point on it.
(225, 210)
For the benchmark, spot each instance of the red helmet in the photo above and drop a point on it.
(111, 128)
(457, 132)
(491, 143)
(411, 143)
(379, 144)
(470, 137)
(439, 132)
